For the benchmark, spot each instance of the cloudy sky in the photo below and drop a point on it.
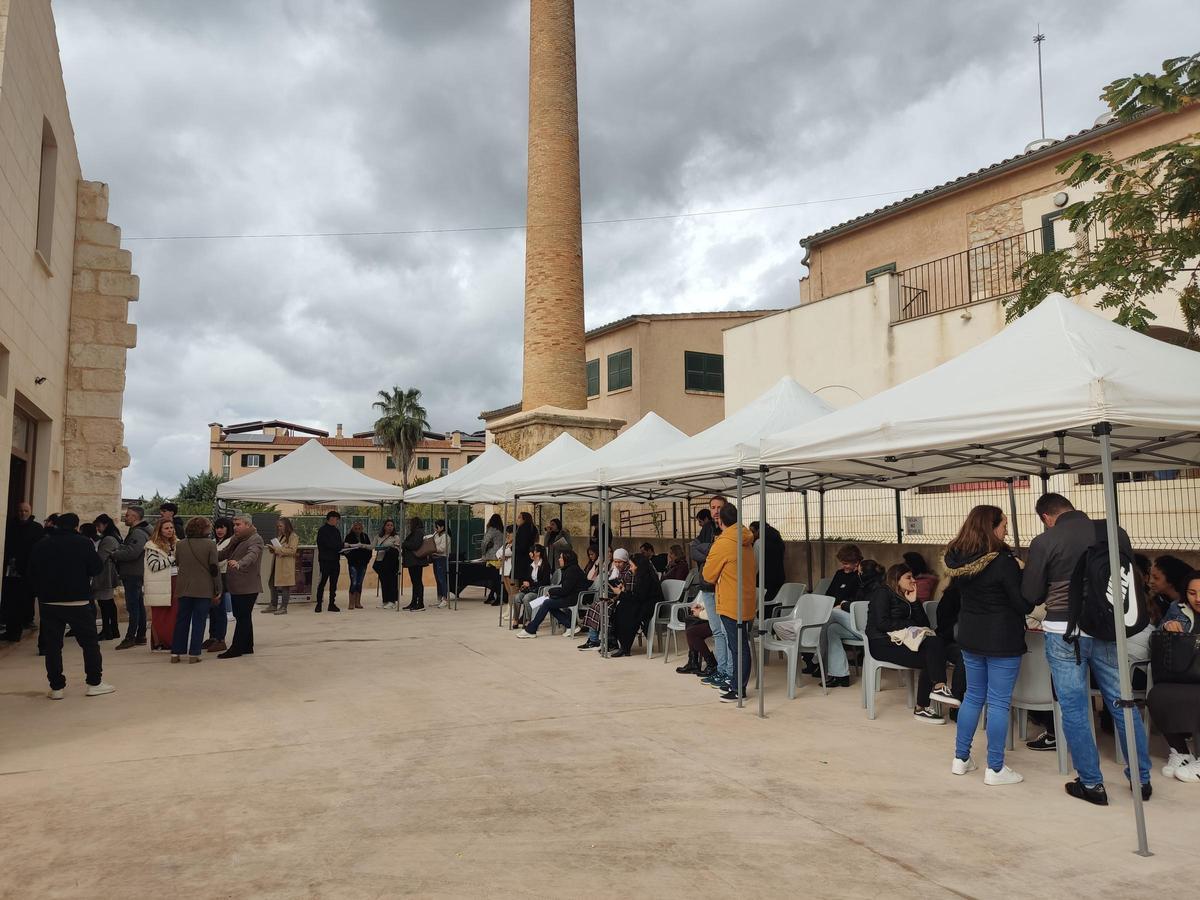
(300, 116)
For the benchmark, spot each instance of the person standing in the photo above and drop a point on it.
(1053, 555)
(169, 511)
(60, 571)
(131, 568)
(20, 536)
(773, 577)
(735, 609)
(199, 588)
(441, 562)
(414, 562)
(218, 616)
(523, 540)
(244, 580)
(358, 557)
(387, 564)
(991, 635)
(329, 559)
(159, 581)
(708, 520)
(489, 554)
(104, 585)
(285, 566)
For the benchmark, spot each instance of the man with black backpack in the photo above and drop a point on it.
(1057, 575)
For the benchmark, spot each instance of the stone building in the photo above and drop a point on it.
(236, 450)
(65, 288)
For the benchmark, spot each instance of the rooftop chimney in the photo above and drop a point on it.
(339, 430)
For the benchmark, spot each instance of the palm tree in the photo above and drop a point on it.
(400, 426)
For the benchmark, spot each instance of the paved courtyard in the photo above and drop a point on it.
(378, 754)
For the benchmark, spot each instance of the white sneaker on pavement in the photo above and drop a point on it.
(1176, 761)
(442, 604)
(55, 694)
(1004, 776)
(1189, 774)
(522, 633)
(96, 690)
(962, 766)
(571, 632)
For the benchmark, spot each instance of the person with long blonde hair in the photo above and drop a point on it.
(159, 585)
(284, 548)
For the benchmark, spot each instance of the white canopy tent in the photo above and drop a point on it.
(309, 474)
(453, 487)
(510, 482)
(640, 442)
(1060, 390)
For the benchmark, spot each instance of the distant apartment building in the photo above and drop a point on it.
(898, 291)
(65, 289)
(669, 363)
(236, 450)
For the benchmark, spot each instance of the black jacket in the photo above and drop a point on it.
(991, 621)
(698, 552)
(773, 561)
(1052, 558)
(359, 558)
(61, 567)
(130, 556)
(19, 541)
(524, 537)
(571, 583)
(329, 542)
(948, 609)
(844, 588)
(890, 612)
(541, 580)
(410, 545)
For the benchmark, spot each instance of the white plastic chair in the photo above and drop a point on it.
(1033, 692)
(810, 615)
(787, 596)
(582, 602)
(676, 625)
(858, 641)
(873, 668)
(931, 608)
(672, 590)
(823, 585)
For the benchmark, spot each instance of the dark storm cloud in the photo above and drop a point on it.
(229, 117)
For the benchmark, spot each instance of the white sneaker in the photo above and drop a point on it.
(571, 632)
(1176, 761)
(962, 766)
(942, 695)
(95, 690)
(442, 604)
(522, 633)
(1004, 776)
(55, 695)
(1189, 774)
(391, 605)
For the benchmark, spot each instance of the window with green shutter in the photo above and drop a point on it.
(358, 462)
(704, 372)
(593, 378)
(391, 463)
(422, 463)
(620, 370)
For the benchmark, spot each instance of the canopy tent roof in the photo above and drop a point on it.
(1024, 402)
(309, 474)
(454, 487)
(708, 462)
(638, 443)
(510, 482)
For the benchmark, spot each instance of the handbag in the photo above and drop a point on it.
(426, 550)
(1175, 657)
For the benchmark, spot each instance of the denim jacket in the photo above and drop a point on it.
(1180, 612)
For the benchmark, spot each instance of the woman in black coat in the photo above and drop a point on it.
(991, 634)
(523, 540)
(635, 604)
(894, 608)
(560, 597)
(414, 565)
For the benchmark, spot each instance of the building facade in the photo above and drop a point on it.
(65, 288)
(671, 364)
(237, 450)
(898, 291)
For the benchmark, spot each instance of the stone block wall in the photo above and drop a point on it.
(101, 335)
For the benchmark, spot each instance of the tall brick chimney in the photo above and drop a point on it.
(554, 373)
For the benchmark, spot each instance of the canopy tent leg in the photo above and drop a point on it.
(808, 542)
(446, 519)
(400, 573)
(1012, 514)
(602, 531)
(762, 583)
(500, 605)
(1116, 589)
(741, 524)
(821, 525)
(899, 520)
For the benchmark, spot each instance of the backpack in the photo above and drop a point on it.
(1090, 604)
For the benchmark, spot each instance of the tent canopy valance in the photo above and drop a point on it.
(309, 474)
(518, 479)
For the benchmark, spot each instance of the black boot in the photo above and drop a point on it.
(710, 667)
(692, 666)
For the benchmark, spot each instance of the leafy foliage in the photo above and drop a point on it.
(1147, 210)
(401, 425)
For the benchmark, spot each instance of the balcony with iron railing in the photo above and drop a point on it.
(982, 273)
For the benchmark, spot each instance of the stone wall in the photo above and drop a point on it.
(1001, 220)
(101, 335)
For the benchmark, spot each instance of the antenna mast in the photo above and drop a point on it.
(1037, 39)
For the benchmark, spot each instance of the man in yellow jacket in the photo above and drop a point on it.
(735, 610)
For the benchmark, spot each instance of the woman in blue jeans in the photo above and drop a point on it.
(991, 635)
(199, 586)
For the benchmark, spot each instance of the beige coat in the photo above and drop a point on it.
(285, 561)
(159, 566)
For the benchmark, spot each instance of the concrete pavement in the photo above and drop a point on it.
(381, 754)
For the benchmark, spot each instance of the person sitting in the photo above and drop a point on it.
(592, 567)
(844, 589)
(559, 597)
(635, 603)
(1166, 584)
(846, 580)
(1175, 708)
(617, 572)
(927, 582)
(697, 630)
(677, 565)
(898, 632)
(537, 577)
